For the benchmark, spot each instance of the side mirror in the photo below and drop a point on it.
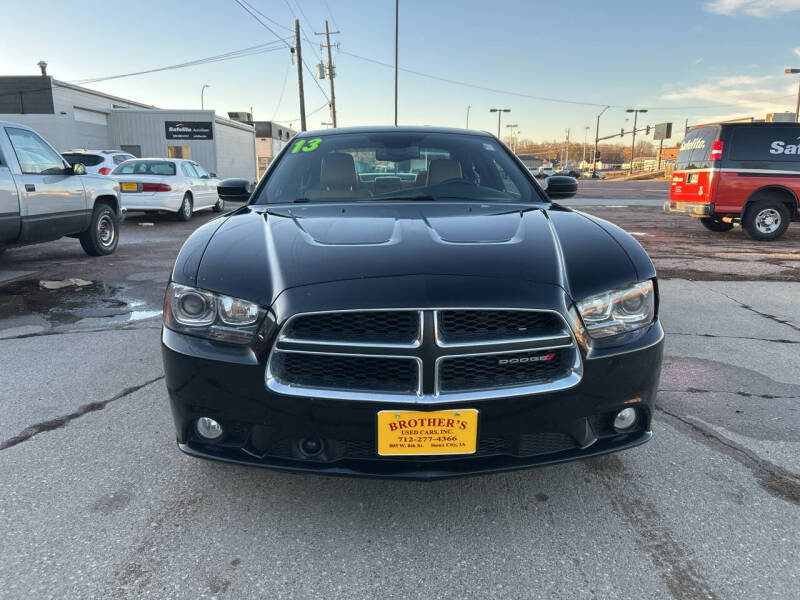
(235, 190)
(558, 187)
(78, 169)
(212, 175)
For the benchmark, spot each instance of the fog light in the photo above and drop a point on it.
(208, 428)
(625, 419)
(310, 446)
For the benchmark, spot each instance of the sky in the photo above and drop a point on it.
(702, 61)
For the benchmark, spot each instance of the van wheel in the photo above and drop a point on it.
(220, 205)
(766, 220)
(103, 234)
(716, 225)
(185, 211)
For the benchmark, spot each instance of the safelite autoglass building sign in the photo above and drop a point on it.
(189, 130)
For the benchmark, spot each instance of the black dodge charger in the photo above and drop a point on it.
(409, 302)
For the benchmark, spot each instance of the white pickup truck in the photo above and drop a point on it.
(43, 198)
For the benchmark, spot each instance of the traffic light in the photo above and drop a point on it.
(622, 132)
(647, 130)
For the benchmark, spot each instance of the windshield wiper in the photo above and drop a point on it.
(419, 197)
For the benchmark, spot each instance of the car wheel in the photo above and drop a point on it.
(716, 225)
(766, 220)
(185, 211)
(220, 205)
(103, 234)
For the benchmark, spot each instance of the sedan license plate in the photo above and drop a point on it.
(409, 432)
(129, 187)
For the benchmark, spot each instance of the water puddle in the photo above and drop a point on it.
(70, 305)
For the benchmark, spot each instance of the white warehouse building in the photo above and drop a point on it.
(72, 117)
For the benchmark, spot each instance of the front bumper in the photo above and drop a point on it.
(265, 429)
(692, 209)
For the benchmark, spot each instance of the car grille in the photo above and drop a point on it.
(423, 355)
(524, 445)
(360, 373)
(368, 327)
(488, 371)
(481, 326)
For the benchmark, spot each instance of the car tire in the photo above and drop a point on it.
(220, 205)
(102, 236)
(185, 211)
(716, 225)
(766, 220)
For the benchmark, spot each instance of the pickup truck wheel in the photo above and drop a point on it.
(220, 205)
(766, 220)
(103, 234)
(185, 211)
(716, 225)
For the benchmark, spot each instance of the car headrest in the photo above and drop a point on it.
(442, 169)
(338, 171)
(422, 179)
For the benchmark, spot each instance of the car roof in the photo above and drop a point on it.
(390, 129)
(19, 125)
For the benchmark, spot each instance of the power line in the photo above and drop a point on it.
(244, 5)
(533, 97)
(249, 51)
(313, 112)
(330, 12)
(283, 88)
(261, 14)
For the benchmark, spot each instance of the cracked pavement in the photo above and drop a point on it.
(97, 502)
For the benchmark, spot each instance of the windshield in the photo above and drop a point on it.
(396, 165)
(87, 160)
(145, 167)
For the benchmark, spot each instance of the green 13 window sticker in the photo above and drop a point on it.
(306, 145)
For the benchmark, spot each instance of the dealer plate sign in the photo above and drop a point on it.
(407, 432)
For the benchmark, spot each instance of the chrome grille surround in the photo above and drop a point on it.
(429, 353)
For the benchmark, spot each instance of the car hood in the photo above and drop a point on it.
(258, 252)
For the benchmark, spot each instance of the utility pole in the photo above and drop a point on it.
(566, 154)
(635, 112)
(396, 44)
(331, 68)
(468, 107)
(596, 140)
(300, 74)
(499, 112)
(202, 91)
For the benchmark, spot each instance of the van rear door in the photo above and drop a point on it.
(692, 178)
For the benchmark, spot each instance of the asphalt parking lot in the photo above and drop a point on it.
(96, 501)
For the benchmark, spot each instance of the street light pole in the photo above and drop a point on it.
(468, 107)
(202, 91)
(566, 152)
(586, 129)
(790, 71)
(635, 112)
(597, 140)
(499, 112)
(511, 135)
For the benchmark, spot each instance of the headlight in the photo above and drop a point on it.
(206, 314)
(618, 311)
